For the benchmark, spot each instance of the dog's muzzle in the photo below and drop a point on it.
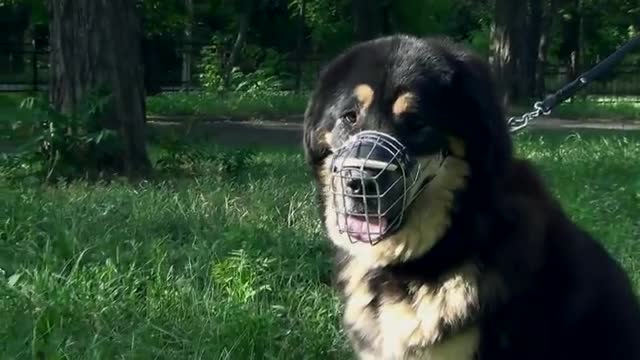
(373, 182)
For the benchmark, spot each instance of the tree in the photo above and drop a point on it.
(507, 34)
(299, 45)
(245, 10)
(188, 49)
(547, 16)
(367, 19)
(572, 30)
(519, 47)
(97, 44)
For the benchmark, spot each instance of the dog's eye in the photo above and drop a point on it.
(349, 118)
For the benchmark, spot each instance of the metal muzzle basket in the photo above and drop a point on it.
(366, 172)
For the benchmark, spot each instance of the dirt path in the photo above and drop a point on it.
(240, 133)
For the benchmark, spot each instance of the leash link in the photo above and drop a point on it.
(516, 123)
(544, 107)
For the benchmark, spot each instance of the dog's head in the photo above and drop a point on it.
(402, 133)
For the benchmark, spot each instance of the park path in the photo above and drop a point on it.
(286, 133)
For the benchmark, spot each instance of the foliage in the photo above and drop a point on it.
(328, 26)
(207, 268)
(254, 84)
(163, 17)
(424, 17)
(480, 40)
(212, 65)
(256, 74)
(607, 24)
(57, 145)
(160, 17)
(328, 23)
(267, 61)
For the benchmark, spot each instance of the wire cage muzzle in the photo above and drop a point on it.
(360, 186)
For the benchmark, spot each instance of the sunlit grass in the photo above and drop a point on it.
(615, 110)
(230, 265)
(274, 106)
(270, 106)
(279, 105)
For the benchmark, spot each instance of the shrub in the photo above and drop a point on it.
(56, 145)
(258, 77)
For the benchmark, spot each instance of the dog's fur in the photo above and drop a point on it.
(486, 265)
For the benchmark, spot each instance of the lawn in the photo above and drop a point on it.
(275, 106)
(290, 106)
(230, 262)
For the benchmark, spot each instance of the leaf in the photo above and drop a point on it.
(13, 279)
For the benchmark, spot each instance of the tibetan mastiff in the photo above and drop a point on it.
(447, 246)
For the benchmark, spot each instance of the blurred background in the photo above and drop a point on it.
(280, 45)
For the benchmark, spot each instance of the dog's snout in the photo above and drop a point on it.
(359, 183)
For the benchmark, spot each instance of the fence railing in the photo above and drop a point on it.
(25, 67)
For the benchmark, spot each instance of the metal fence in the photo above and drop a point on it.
(25, 67)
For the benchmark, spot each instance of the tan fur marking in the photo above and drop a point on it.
(457, 146)
(451, 302)
(411, 328)
(364, 93)
(404, 103)
(356, 312)
(327, 137)
(400, 329)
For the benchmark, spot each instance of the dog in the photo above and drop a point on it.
(447, 246)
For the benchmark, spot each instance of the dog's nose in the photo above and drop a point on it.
(359, 183)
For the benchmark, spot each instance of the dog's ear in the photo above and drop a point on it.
(484, 124)
(314, 149)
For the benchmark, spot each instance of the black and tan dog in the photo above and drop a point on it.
(484, 263)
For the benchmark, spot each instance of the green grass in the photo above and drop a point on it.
(279, 105)
(222, 267)
(276, 106)
(271, 106)
(615, 110)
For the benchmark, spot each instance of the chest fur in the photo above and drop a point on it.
(429, 321)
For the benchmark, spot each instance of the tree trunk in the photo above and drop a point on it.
(299, 45)
(387, 22)
(571, 39)
(549, 8)
(367, 19)
(531, 45)
(94, 44)
(188, 48)
(507, 37)
(243, 28)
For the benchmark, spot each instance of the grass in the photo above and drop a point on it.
(230, 264)
(279, 105)
(264, 106)
(289, 106)
(615, 110)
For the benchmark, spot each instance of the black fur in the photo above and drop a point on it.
(566, 298)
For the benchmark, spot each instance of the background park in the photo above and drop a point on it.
(153, 197)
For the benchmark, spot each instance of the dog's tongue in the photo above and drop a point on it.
(360, 229)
